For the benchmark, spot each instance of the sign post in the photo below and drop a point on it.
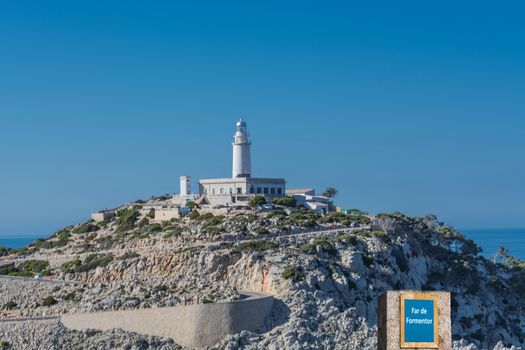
(414, 320)
(419, 320)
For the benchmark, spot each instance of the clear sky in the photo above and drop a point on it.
(414, 106)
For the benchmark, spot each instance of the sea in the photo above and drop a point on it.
(488, 239)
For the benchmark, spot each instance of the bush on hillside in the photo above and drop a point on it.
(126, 218)
(293, 273)
(194, 215)
(70, 266)
(256, 201)
(10, 305)
(258, 246)
(86, 228)
(93, 261)
(35, 266)
(48, 301)
(285, 202)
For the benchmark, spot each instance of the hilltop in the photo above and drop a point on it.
(325, 272)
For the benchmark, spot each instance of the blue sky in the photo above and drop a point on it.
(402, 106)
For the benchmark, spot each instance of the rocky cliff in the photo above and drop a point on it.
(326, 284)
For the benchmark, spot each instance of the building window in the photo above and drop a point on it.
(205, 191)
(222, 190)
(272, 190)
(252, 189)
(239, 190)
(279, 191)
(213, 191)
(231, 190)
(259, 190)
(266, 190)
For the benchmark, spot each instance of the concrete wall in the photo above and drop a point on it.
(198, 325)
(101, 216)
(166, 214)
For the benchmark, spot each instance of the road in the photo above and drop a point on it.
(24, 319)
(174, 247)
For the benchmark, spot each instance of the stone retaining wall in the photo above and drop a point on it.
(198, 325)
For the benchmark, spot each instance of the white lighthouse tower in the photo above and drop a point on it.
(242, 166)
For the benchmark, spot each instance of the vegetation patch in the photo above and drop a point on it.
(86, 228)
(48, 301)
(285, 202)
(70, 266)
(174, 231)
(324, 244)
(10, 305)
(26, 269)
(35, 266)
(126, 218)
(256, 201)
(93, 261)
(292, 272)
(257, 246)
(128, 255)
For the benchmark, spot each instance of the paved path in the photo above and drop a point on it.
(32, 279)
(25, 319)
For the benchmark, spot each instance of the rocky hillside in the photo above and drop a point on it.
(326, 284)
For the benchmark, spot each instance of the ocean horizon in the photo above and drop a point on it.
(489, 239)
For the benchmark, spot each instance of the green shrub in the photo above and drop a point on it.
(26, 269)
(86, 228)
(161, 288)
(70, 296)
(285, 202)
(211, 224)
(348, 239)
(256, 201)
(155, 228)
(175, 231)
(258, 246)
(144, 222)
(151, 213)
(35, 266)
(126, 218)
(62, 234)
(48, 301)
(128, 255)
(48, 244)
(70, 266)
(293, 273)
(194, 215)
(192, 204)
(325, 245)
(10, 305)
(262, 231)
(368, 260)
(93, 261)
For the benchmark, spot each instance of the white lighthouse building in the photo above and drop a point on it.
(242, 163)
(241, 187)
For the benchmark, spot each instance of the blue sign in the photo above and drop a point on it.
(419, 321)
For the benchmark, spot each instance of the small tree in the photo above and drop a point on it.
(192, 204)
(194, 215)
(285, 201)
(330, 192)
(257, 200)
(151, 213)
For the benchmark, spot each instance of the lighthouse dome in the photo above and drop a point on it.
(241, 123)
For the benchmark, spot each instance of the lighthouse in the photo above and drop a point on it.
(242, 166)
(241, 187)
